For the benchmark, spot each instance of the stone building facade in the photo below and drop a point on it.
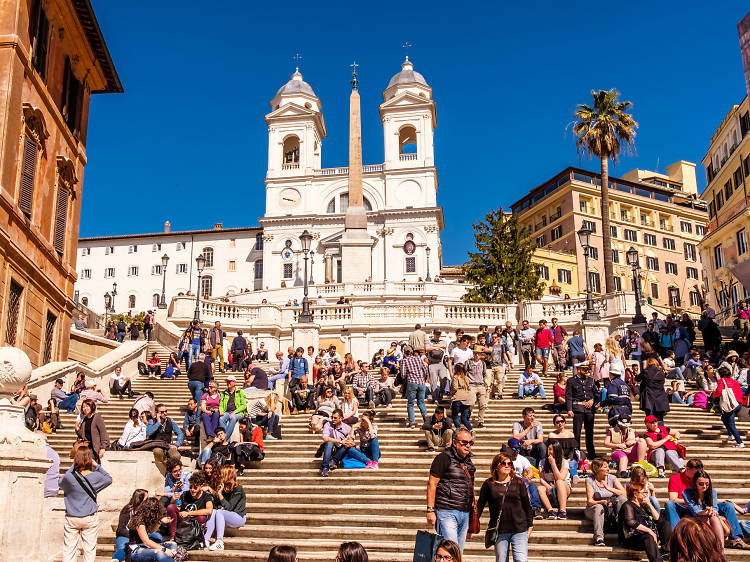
(53, 58)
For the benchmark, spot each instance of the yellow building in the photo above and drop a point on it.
(657, 214)
(724, 250)
(558, 271)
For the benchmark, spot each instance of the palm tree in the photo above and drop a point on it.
(603, 130)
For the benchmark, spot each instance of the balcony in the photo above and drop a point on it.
(646, 222)
(290, 166)
(666, 227)
(405, 157)
(344, 171)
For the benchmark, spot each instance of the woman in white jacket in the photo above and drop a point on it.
(135, 430)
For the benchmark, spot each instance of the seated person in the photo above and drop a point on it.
(62, 399)
(663, 446)
(438, 430)
(255, 379)
(175, 482)
(384, 391)
(231, 508)
(626, 446)
(363, 385)
(250, 446)
(191, 423)
(325, 406)
(678, 394)
(336, 377)
(529, 384)
(173, 362)
(367, 431)
(640, 527)
(262, 354)
(141, 529)
(530, 435)
(154, 366)
(338, 443)
(120, 384)
(264, 412)
(194, 502)
(522, 468)
(671, 371)
(558, 389)
(678, 483)
(164, 429)
(692, 365)
(281, 373)
(554, 481)
(134, 430)
(603, 492)
(303, 397)
(216, 446)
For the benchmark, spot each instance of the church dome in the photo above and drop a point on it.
(296, 86)
(407, 76)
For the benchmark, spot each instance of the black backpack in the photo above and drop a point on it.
(189, 534)
(142, 368)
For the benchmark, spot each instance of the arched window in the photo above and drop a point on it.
(344, 204)
(290, 153)
(207, 286)
(155, 300)
(407, 140)
(131, 301)
(85, 301)
(259, 241)
(208, 253)
(259, 269)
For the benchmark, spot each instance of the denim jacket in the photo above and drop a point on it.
(692, 506)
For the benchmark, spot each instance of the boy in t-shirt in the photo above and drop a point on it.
(543, 340)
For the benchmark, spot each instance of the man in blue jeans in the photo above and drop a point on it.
(450, 489)
(678, 483)
(415, 372)
(195, 342)
(338, 443)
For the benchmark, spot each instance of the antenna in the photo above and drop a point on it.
(297, 58)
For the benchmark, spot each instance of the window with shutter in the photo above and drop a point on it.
(49, 338)
(28, 175)
(61, 219)
(39, 34)
(14, 311)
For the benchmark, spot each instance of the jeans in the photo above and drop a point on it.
(461, 415)
(272, 380)
(728, 419)
(452, 525)
(531, 391)
(220, 519)
(121, 543)
(196, 389)
(536, 453)
(269, 423)
(120, 336)
(518, 541)
(676, 373)
(210, 423)
(147, 554)
(415, 391)
(368, 394)
(726, 509)
(333, 453)
(674, 511)
(228, 421)
(534, 499)
(195, 349)
(372, 449)
(69, 403)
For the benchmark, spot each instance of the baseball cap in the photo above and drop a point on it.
(650, 419)
(231, 378)
(623, 420)
(514, 444)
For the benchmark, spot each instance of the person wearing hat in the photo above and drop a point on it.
(580, 404)
(626, 446)
(616, 395)
(730, 362)
(663, 446)
(232, 406)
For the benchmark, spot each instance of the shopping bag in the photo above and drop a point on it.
(425, 546)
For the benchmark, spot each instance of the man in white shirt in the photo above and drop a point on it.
(331, 356)
(120, 384)
(529, 384)
(321, 301)
(527, 335)
(461, 353)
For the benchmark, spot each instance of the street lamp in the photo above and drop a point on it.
(114, 294)
(631, 257)
(584, 237)
(427, 251)
(164, 262)
(312, 261)
(200, 263)
(107, 305)
(305, 316)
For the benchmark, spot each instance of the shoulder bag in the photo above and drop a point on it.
(490, 536)
(86, 485)
(474, 527)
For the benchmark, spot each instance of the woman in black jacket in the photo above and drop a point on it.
(639, 524)
(123, 533)
(507, 497)
(230, 509)
(654, 400)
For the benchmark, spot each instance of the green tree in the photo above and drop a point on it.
(501, 268)
(603, 131)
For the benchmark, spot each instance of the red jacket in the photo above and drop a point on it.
(731, 383)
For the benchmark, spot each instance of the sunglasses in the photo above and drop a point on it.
(444, 557)
(505, 463)
(162, 412)
(559, 421)
(465, 443)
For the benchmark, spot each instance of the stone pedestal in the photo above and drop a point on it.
(356, 256)
(304, 335)
(594, 331)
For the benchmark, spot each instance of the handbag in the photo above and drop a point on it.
(727, 400)
(425, 546)
(189, 534)
(474, 527)
(490, 536)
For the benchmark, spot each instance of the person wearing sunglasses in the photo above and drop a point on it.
(447, 551)
(450, 489)
(163, 428)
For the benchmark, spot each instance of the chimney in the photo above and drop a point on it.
(218, 226)
(167, 226)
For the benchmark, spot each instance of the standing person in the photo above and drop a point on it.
(526, 336)
(216, 336)
(505, 493)
(92, 429)
(604, 493)
(743, 315)
(135, 329)
(559, 334)
(230, 509)
(80, 323)
(195, 343)
(415, 373)
(654, 400)
(510, 335)
(122, 328)
(436, 365)
(239, 351)
(543, 340)
(640, 527)
(80, 485)
(460, 353)
(460, 398)
(499, 362)
(198, 375)
(148, 324)
(232, 406)
(579, 402)
(298, 368)
(477, 371)
(417, 340)
(162, 427)
(727, 417)
(450, 489)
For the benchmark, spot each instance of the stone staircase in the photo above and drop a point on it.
(288, 503)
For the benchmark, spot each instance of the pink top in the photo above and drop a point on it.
(731, 383)
(211, 402)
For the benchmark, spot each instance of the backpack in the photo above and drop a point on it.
(142, 368)
(189, 534)
(727, 400)
(700, 399)
(30, 418)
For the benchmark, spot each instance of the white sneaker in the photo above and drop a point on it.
(389, 406)
(218, 545)
(739, 446)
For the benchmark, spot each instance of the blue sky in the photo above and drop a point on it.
(187, 142)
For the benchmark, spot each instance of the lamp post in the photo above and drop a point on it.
(584, 237)
(107, 305)
(427, 251)
(631, 257)
(114, 294)
(164, 262)
(200, 263)
(305, 316)
(312, 261)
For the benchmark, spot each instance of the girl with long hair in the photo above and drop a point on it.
(146, 520)
(282, 553)
(554, 480)
(351, 552)
(639, 525)
(229, 509)
(693, 540)
(122, 535)
(447, 551)
(460, 398)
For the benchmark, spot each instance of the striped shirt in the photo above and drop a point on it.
(414, 369)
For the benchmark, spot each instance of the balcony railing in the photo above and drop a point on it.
(666, 227)
(292, 166)
(343, 171)
(404, 157)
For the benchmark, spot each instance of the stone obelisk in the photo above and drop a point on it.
(356, 243)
